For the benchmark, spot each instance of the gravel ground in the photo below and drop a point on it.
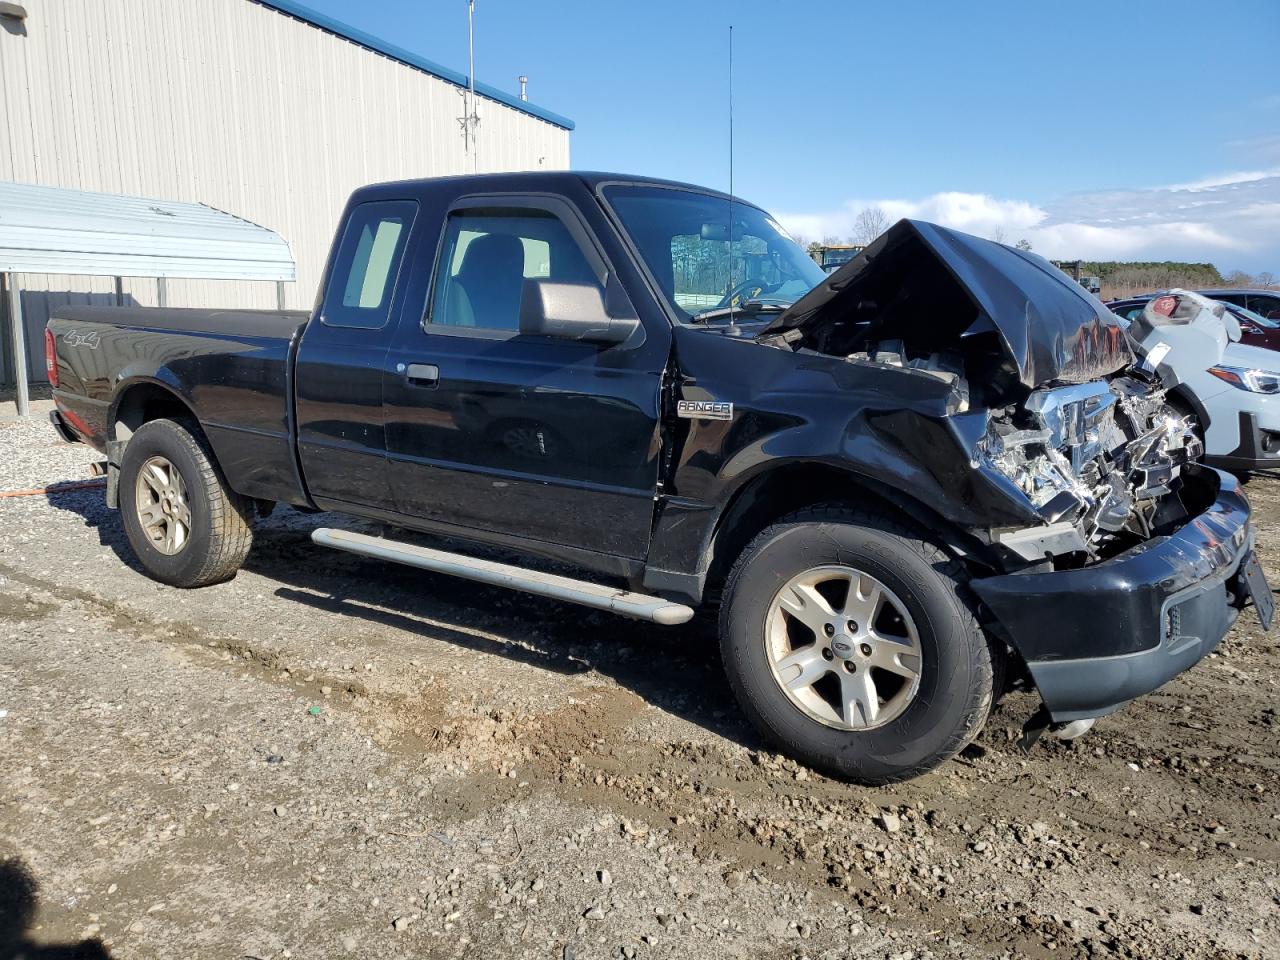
(335, 757)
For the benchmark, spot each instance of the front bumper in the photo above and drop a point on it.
(1096, 638)
(1258, 449)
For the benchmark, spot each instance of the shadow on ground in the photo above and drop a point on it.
(676, 669)
(19, 894)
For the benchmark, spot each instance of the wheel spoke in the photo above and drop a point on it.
(895, 657)
(150, 515)
(802, 667)
(154, 477)
(864, 599)
(859, 699)
(804, 603)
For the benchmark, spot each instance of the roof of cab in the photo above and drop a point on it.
(548, 180)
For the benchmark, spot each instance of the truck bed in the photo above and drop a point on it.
(281, 324)
(231, 367)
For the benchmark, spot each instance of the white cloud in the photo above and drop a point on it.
(1231, 219)
(1224, 180)
(972, 212)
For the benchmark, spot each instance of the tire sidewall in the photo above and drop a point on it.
(951, 651)
(164, 438)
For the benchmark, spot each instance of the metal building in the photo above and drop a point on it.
(263, 109)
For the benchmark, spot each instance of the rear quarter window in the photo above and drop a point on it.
(363, 279)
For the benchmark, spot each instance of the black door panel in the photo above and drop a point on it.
(552, 440)
(341, 439)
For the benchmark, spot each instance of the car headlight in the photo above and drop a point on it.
(1244, 378)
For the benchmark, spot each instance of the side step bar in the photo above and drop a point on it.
(639, 605)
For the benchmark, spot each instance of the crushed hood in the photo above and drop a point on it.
(931, 286)
(1199, 334)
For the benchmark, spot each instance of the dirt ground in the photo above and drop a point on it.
(334, 757)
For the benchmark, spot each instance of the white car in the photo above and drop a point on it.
(1231, 389)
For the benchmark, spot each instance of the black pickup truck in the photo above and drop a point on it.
(935, 474)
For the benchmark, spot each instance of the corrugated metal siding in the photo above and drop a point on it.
(57, 230)
(235, 105)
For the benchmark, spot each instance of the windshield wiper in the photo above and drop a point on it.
(748, 308)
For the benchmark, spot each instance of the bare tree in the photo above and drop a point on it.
(1265, 279)
(1238, 278)
(1024, 244)
(998, 234)
(870, 223)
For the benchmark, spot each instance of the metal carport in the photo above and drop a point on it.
(51, 230)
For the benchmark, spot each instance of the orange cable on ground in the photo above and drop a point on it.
(56, 488)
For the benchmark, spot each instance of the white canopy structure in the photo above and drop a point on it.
(58, 231)
(52, 230)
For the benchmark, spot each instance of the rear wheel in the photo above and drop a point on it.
(851, 646)
(186, 526)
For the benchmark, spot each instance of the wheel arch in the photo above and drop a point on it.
(785, 488)
(1183, 396)
(138, 402)
(142, 400)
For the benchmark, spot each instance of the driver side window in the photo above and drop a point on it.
(486, 257)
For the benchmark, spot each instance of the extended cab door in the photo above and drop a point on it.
(527, 437)
(338, 373)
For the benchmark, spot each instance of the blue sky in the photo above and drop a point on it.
(1131, 129)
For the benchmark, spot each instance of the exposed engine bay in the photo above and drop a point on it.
(1094, 459)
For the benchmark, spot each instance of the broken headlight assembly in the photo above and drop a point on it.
(1093, 459)
(1243, 378)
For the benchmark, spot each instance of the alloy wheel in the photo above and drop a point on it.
(843, 648)
(163, 510)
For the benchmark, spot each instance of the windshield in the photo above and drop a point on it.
(700, 261)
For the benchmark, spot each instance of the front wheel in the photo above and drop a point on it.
(850, 645)
(187, 527)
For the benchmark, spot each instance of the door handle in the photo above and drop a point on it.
(425, 373)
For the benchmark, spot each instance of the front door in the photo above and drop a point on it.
(531, 437)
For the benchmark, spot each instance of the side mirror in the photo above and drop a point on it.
(570, 311)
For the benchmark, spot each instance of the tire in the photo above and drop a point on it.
(218, 521)
(929, 719)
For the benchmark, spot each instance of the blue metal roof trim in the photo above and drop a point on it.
(378, 45)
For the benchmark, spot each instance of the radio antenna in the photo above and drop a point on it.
(470, 120)
(732, 328)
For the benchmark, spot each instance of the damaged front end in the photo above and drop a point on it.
(1076, 429)
(1094, 459)
(1107, 558)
